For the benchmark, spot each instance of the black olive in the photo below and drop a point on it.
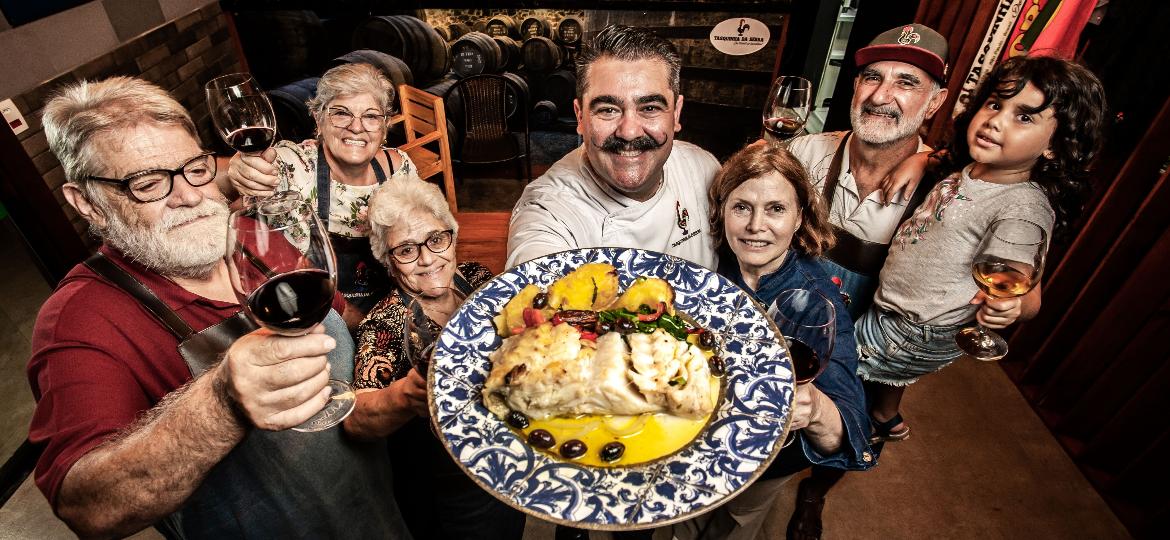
(517, 419)
(626, 326)
(604, 327)
(573, 449)
(541, 439)
(612, 451)
(717, 365)
(707, 339)
(540, 300)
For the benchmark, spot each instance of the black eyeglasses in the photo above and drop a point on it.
(156, 184)
(341, 118)
(437, 242)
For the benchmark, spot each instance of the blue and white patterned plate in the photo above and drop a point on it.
(734, 448)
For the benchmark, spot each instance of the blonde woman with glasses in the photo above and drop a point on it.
(336, 173)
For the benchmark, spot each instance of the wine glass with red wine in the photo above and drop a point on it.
(426, 315)
(787, 109)
(1008, 264)
(283, 270)
(808, 322)
(242, 115)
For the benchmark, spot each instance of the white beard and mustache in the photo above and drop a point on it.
(190, 253)
(878, 133)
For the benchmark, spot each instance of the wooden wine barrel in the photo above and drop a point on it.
(407, 38)
(535, 27)
(509, 52)
(393, 68)
(443, 33)
(458, 30)
(544, 114)
(518, 100)
(541, 55)
(475, 53)
(479, 26)
(570, 31)
(290, 104)
(560, 87)
(503, 25)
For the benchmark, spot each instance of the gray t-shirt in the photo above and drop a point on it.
(927, 275)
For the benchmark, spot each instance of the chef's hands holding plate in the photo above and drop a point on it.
(818, 417)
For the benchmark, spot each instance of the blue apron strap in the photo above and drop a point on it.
(323, 190)
(322, 186)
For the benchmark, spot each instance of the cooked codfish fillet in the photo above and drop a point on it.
(550, 371)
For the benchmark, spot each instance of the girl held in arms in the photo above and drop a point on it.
(1020, 152)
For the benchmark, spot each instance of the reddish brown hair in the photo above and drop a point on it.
(815, 235)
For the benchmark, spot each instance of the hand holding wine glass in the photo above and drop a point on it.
(808, 322)
(1008, 264)
(787, 109)
(283, 271)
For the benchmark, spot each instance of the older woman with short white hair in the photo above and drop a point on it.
(337, 172)
(413, 233)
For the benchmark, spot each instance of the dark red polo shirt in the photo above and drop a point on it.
(99, 360)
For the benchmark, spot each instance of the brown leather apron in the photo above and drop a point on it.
(276, 484)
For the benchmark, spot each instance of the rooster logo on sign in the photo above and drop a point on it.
(743, 26)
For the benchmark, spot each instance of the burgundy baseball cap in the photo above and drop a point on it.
(914, 44)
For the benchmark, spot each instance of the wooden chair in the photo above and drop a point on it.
(425, 119)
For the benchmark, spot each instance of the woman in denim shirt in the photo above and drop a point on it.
(770, 226)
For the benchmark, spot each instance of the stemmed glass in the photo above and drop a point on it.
(242, 115)
(422, 313)
(787, 109)
(808, 322)
(1008, 264)
(283, 271)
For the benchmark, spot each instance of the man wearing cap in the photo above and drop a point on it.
(899, 85)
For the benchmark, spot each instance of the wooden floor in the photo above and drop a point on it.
(483, 238)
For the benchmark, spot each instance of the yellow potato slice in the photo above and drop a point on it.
(591, 286)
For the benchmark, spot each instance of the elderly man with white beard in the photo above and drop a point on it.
(900, 84)
(157, 403)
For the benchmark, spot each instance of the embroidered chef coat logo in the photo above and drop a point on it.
(909, 36)
(682, 215)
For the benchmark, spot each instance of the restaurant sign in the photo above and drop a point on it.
(740, 36)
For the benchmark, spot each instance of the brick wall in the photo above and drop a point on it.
(180, 56)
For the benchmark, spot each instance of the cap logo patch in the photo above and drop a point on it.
(909, 36)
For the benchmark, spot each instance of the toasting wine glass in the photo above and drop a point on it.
(1008, 264)
(426, 317)
(282, 268)
(243, 116)
(787, 108)
(808, 322)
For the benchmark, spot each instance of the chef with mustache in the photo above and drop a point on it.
(901, 82)
(630, 184)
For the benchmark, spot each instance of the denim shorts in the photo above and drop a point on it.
(894, 351)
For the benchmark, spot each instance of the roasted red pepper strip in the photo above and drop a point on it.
(533, 317)
(651, 317)
(588, 335)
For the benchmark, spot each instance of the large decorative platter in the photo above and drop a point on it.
(740, 440)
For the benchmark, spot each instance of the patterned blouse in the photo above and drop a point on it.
(296, 166)
(380, 358)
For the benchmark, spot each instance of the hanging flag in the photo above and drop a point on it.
(1019, 27)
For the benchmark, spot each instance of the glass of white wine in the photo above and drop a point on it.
(787, 109)
(1008, 264)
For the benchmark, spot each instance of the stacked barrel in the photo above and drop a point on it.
(535, 53)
